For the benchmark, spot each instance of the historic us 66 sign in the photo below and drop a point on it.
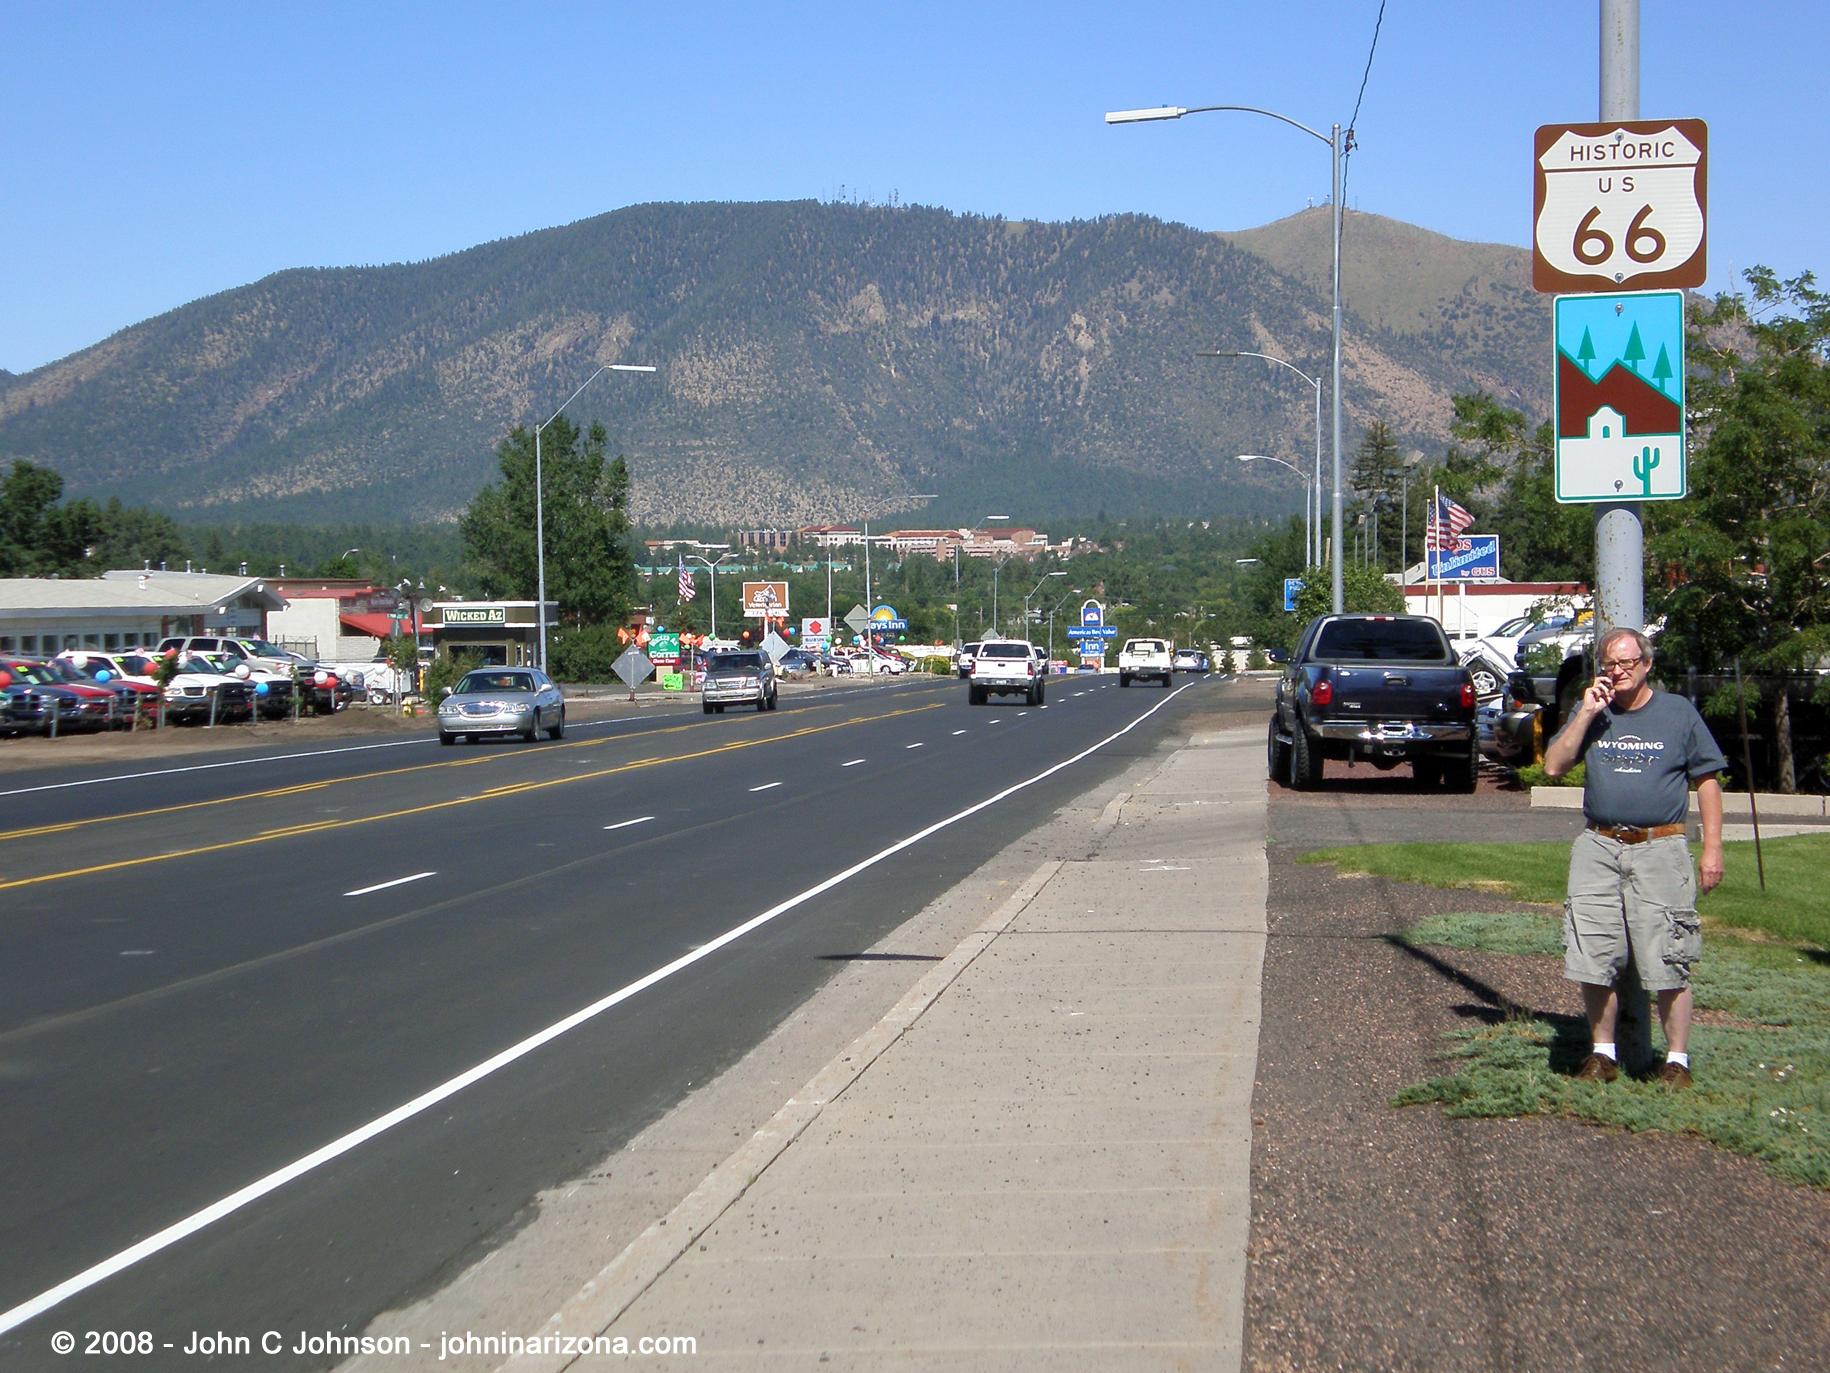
(1620, 206)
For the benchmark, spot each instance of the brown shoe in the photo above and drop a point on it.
(1675, 1076)
(1598, 1068)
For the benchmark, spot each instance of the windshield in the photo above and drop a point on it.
(1145, 646)
(139, 667)
(1004, 651)
(1410, 641)
(260, 648)
(30, 672)
(475, 683)
(735, 662)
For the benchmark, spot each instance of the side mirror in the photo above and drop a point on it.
(445, 691)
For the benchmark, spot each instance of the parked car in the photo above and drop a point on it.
(1145, 658)
(272, 688)
(1381, 689)
(94, 704)
(1006, 667)
(736, 678)
(502, 700)
(128, 696)
(1190, 660)
(200, 691)
(797, 662)
(31, 704)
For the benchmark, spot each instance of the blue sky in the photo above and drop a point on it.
(155, 154)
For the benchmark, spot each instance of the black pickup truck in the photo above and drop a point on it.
(1381, 689)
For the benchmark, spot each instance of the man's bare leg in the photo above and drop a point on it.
(1601, 1006)
(1673, 1015)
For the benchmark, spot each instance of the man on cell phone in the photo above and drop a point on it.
(1631, 886)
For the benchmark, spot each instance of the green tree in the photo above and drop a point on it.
(133, 536)
(1364, 591)
(1541, 539)
(1741, 562)
(590, 567)
(38, 536)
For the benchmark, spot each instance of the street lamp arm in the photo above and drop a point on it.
(1176, 112)
(607, 367)
(1284, 462)
(1241, 353)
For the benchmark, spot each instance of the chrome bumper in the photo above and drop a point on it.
(1408, 732)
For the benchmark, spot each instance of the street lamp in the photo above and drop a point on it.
(713, 565)
(1285, 462)
(1314, 555)
(1338, 144)
(540, 495)
(1071, 591)
(1032, 591)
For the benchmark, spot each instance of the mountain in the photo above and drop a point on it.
(817, 362)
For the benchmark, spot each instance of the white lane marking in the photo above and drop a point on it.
(852, 764)
(383, 886)
(136, 953)
(765, 786)
(343, 1144)
(625, 824)
(959, 731)
(265, 758)
(1021, 714)
(914, 745)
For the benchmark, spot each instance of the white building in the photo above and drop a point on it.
(42, 616)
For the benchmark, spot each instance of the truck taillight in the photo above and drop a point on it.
(1467, 695)
(1322, 693)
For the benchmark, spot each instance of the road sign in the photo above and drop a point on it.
(1092, 614)
(857, 617)
(1620, 206)
(1475, 558)
(765, 600)
(815, 629)
(664, 648)
(1096, 632)
(774, 645)
(1620, 397)
(633, 667)
(1292, 585)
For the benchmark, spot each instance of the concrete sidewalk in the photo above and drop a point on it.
(1039, 1159)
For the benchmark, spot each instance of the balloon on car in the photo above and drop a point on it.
(260, 688)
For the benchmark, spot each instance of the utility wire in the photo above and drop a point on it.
(1367, 74)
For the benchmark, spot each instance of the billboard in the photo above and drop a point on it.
(765, 600)
(1474, 558)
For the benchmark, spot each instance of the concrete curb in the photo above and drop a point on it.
(602, 1300)
(1733, 802)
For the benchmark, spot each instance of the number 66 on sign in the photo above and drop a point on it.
(1620, 206)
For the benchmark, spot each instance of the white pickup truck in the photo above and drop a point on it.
(1006, 667)
(1146, 658)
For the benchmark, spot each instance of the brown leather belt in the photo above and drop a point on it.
(1636, 834)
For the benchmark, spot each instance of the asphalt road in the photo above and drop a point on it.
(209, 973)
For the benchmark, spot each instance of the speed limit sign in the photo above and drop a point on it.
(1620, 206)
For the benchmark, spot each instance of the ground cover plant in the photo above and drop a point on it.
(1760, 1050)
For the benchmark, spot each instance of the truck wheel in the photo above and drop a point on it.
(975, 696)
(1124, 679)
(1465, 774)
(1276, 756)
(1305, 762)
(1426, 773)
(706, 706)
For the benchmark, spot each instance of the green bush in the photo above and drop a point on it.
(584, 655)
(1257, 661)
(939, 667)
(447, 669)
(1533, 775)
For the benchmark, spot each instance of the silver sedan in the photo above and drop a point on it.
(502, 700)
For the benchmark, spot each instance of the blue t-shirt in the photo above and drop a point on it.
(1641, 762)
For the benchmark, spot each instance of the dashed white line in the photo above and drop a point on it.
(383, 886)
(625, 824)
(959, 731)
(765, 786)
(353, 1139)
(852, 764)
(914, 745)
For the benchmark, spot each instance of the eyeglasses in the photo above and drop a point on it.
(1621, 664)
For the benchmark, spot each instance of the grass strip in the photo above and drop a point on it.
(1761, 1085)
(1794, 907)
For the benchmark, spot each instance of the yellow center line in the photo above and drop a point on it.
(64, 826)
(320, 826)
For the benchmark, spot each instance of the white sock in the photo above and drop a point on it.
(1682, 1060)
(1605, 1050)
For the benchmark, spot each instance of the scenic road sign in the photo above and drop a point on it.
(857, 617)
(1620, 397)
(1620, 206)
(1475, 558)
(775, 646)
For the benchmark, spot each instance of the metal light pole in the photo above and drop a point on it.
(540, 496)
(1337, 145)
(1266, 457)
(1620, 540)
(1312, 554)
(713, 565)
(1032, 591)
(968, 533)
(1071, 591)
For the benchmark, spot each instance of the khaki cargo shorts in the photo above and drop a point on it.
(1642, 896)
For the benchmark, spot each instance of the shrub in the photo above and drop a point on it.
(448, 669)
(1533, 775)
(583, 655)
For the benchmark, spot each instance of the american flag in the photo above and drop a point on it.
(687, 589)
(1444, 528)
